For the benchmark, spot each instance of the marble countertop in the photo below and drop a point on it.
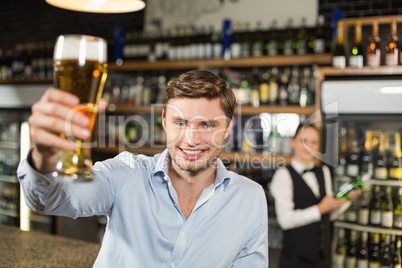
(32, 249)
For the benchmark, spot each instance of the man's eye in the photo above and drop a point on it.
(181, 124)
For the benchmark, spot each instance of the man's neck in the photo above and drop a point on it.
(189, 186)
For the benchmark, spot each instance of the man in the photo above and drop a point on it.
(180, 208)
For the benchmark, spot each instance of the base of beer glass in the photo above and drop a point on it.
(75, 174)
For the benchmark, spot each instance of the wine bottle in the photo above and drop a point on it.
(338, 258)
(374, 258)
(380, 163)
(351, 213)
(386, 254)
(374, 51)
(289, 40)
(398, 210)
(258, 43)
(255, 89)
(283, 89)
(363, 252)
(392, 57)
(235, 47)
(264, 89)
(351, 251)
(356, 54)
(353, 160)
(355, 184)
(245, 41)
(319, 43)
(294, 87)
(395, 169)
(366, 164)
(273, 87)
(375, 207)
(340, 168)
(302, 39)
(397, 259)
(364, 206)
(272, 44)
(387, 209)
(339, 56)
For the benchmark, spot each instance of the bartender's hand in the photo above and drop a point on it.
(353, 195)
(51, 116)
(329, 203)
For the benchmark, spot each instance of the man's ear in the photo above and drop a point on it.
(163, 120)
(229, 128)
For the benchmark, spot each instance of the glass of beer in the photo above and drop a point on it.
(79, 63)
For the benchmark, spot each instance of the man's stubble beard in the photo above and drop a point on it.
(186, 166)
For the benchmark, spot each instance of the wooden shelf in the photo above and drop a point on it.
(365, 71)
(244, 110)
(369, 20)
(27, 81)
(324, 59)
(225, 156)
(369, 229)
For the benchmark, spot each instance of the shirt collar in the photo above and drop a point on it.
(222, 174)
(299, 167)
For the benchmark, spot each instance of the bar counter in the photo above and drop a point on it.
(32, 249)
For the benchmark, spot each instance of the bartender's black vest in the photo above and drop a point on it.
(311, 241)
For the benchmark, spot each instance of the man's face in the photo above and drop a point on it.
(195, 132)
(306, 140)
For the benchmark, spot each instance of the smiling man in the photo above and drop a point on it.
(180, 208)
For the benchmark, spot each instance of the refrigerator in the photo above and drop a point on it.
(15, 107)
(353, 105)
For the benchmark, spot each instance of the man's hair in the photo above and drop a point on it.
(202, 84)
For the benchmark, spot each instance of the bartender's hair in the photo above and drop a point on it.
(202, 84)
(301, 126)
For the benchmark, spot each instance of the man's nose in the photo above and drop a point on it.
(193, 136)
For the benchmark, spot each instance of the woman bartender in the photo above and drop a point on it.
(303, 199)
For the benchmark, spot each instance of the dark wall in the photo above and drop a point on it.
(24, 21)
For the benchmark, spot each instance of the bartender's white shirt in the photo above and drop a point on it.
(281, 189)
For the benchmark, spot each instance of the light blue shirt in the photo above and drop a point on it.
(146, 228)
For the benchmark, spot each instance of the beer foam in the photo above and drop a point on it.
(80, 47)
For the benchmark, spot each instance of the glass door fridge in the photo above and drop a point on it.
(15, 107)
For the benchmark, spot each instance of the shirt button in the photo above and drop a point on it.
(171, 264)
(182, 233)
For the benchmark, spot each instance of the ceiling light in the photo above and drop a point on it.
(99, 6)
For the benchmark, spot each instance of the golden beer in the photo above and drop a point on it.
(79, 69)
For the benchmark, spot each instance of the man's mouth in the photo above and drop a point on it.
(192, 154)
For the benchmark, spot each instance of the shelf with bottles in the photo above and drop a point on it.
(360, 248)
(355, 53)
(263, 61)
(369, 229)
(8, 178)
(26, 81)
(8, 212)
(9, 145)
(257, 90)
(28, 63)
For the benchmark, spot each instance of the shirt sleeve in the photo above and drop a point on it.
(328, 180)
(255, 251)
(48, 195)
(288, 217)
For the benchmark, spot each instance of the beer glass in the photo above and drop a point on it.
(79, 63)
